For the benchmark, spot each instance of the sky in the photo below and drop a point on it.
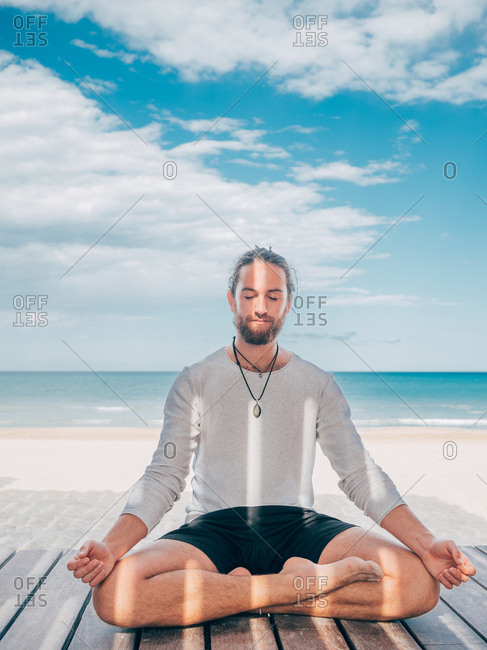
(146, 145)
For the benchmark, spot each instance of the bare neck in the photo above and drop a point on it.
(260, 356)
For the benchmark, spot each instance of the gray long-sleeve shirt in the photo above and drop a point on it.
(240, 460)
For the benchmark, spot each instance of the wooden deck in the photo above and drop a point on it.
(43, 608)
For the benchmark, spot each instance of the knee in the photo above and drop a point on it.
(428, 595)
(109, 607)
(100, 604)
(421, 593)
(104, 603)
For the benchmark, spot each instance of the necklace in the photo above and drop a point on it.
(255, 367)
(257, 410)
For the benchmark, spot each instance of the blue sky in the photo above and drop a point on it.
(334, 155)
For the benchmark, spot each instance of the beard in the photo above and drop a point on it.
(258, 337)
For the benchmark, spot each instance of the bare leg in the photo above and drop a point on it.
(406, 590)
(172, 583)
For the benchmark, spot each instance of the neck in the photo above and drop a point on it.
(260, 355)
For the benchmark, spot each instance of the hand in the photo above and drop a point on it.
(93, 563)
(447, 563)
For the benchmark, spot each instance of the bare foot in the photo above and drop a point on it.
(239, 571)
(314, 579)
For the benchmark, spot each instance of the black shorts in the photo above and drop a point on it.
(259, 538)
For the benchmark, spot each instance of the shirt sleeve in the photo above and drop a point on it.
(361, 479)
(161, 485)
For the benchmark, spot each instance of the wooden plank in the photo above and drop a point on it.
(236, 632)
(469, 601)
(442, 646)
(381, 635)
(296, 632)
(173, 638)
(5, 555)
(21, 583)
(93, 634)
(442, 628)
(479, 560)
(48, 624)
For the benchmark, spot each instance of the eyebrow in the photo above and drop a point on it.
(270, 290)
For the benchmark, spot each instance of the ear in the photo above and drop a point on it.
(289, 303)
(231, 300)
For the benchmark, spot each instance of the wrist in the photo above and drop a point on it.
(112, 548)
(424, 544)
(125, 533)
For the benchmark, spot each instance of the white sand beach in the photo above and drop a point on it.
(60, 486)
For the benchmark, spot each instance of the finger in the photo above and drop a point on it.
(448, 575)
(81, 572)
(461, 576)
(468, 567)
(455, 573)
(92, 574)
(77, 564)
(461, 573)
(446, 583)
(86, 548)
(83, 553)
(453, 580)
(99, 578)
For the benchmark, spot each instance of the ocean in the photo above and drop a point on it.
(136, 399)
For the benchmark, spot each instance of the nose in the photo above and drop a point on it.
(260, 308)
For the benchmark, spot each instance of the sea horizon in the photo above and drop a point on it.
(59, 398)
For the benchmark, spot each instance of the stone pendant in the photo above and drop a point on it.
(257, 410)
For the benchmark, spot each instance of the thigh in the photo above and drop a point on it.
(221, 535)
(161, 556)
(307, 534)
(408, 588)
(392, 556)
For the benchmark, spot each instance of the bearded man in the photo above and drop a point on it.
(250, 415)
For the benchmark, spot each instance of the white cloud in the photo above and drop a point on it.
(404, 50)
(73, 171)
(355, 296)
(101, 86)
(374, 173)
(222, 125)
(125, 57)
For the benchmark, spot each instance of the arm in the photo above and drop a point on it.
(442, 558)
(155, 492)
(161, 485)
(361, 479)
(371, 489)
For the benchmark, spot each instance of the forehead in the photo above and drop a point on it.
(261, 274)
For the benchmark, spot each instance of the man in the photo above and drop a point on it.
(251, 414)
